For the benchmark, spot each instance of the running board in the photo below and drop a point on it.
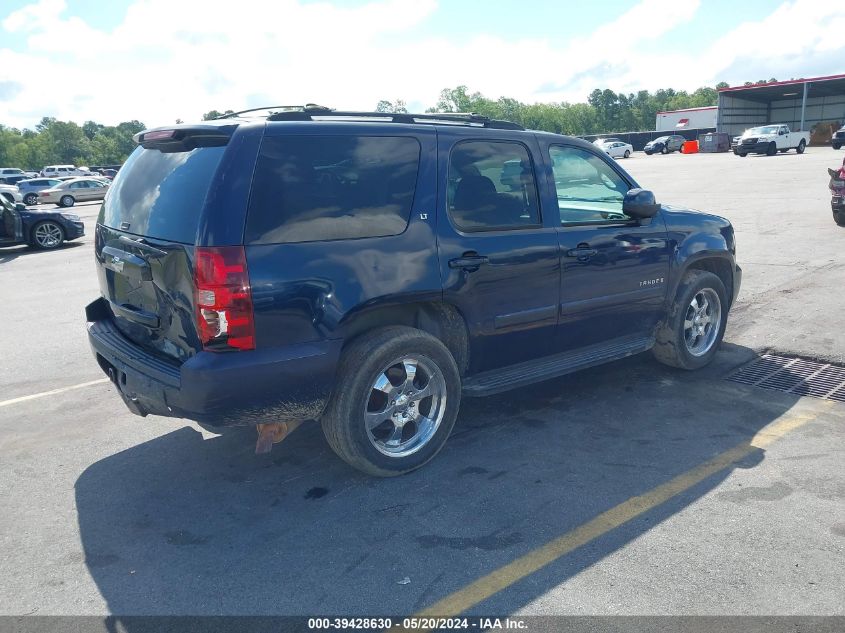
(514, 376)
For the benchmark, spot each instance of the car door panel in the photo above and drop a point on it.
(614, 270)
(618, 291)
(504, 281)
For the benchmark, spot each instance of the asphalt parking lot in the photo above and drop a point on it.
(629, 489)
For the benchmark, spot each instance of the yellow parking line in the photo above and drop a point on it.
(535, 560)
(53, 392)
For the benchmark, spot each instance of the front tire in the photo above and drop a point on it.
(664, 150)
(695, 325)
(397, 399)
(66, 201)
(771, 150)
(47, 235)
(30, 199)
(836, 145)
(627, 154)
(839, 217)
(801, 147)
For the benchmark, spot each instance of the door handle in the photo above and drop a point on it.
(581, 252)
(468, 262)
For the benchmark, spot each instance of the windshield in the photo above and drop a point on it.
(766, 129)
(661, 139)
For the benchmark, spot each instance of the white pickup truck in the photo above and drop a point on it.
(771, 139)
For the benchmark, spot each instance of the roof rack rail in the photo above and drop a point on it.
(310, 111)
(308, 107)
(446, 118)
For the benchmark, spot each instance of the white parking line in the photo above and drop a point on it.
(5, 403)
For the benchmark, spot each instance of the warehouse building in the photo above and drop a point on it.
(686, 119)
(816, 104)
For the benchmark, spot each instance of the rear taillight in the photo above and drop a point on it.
(223, 298)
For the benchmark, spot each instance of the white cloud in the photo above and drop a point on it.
(170, 59)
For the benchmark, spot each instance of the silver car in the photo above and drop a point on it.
(69, 192)
(29, 188)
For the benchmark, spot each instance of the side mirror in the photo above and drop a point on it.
(640, 204)
(20, 206)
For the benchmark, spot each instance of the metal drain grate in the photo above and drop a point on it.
(794, 375)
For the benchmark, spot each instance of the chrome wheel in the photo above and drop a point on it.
(66, 201)
(48, 235)
(405, 406)
(30, 199)
(702, 321)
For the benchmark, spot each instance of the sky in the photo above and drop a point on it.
(159, 60)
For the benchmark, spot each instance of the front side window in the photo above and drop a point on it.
(491, 186)
(315, 188)
(588, 189)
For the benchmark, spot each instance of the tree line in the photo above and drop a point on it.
(58, 142)
(55, 142)
(605, 110)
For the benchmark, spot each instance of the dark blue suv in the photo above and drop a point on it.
(370, 270)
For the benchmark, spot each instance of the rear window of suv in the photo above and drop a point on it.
(313, 188)
(162, 194)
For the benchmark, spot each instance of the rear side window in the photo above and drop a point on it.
(491, 187)
(162, 195)
(313, 188)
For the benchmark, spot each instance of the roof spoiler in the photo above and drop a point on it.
(184, 138)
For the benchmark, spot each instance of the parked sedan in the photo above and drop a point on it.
(618, 149)
(29, 188)
(69, 192)
(664, 144)
(40, 229)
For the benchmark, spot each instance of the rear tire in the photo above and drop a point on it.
(801, 147)
(30, 199)
(677, 342)
(839, 217)
(373, 381)
(743, 154)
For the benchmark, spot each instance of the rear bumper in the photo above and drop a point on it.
(220, 389)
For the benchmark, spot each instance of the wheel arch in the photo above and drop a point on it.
(442, 320)
(719, 263)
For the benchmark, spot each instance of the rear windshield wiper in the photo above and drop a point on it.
(141, 245)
